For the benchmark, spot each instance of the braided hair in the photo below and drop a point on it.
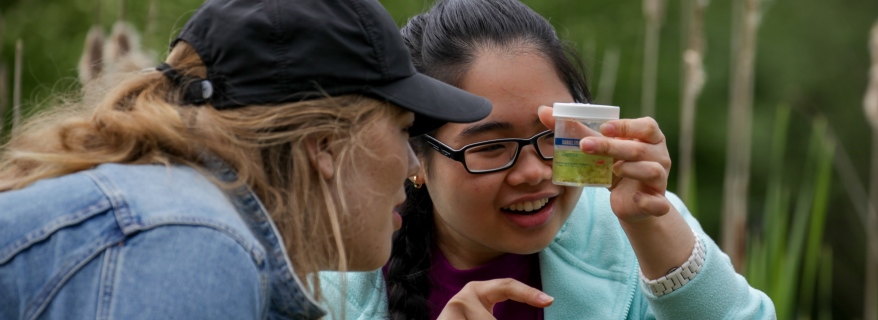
(444, 42)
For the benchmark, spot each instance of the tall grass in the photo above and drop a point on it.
(788, 259)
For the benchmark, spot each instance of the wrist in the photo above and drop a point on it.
(677, 277)
(660, 243)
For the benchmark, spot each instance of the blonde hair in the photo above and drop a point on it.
(138, 122)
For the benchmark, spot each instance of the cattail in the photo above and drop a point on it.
(589, 52)
(870, 103)
(609, 71)
(694, 78)
(16, 91)
(122, 51)
(121, 10)
(4, 95)
(2, 30)
(91, 62)
(121, 41)
(737, 173)
(152, 19)
(653, 11)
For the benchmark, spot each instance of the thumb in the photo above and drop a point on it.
(545, 114)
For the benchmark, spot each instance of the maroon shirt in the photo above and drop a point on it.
(447, 281)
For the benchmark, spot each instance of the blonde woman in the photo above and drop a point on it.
(271, 144)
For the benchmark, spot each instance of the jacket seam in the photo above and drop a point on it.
(53, 286)
(250, 246)
(120, 207)
(47, 230)
(129, 223)
(107, 279)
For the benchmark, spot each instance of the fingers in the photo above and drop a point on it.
(655, 205)
(574, 128)
(651, 174)
(498, 290)
(477, 299)
(626, 150)
(643, 129)
(545, 114)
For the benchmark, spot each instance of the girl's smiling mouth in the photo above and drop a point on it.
(527, 207)
(530, 214)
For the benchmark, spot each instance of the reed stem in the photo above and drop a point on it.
(609, 71)
(653, 11)
(870, 104)
(694, 78)
(16, 91)
(737, 173)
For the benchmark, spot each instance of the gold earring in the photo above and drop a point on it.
(415, 182)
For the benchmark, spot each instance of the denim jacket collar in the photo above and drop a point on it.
(288, 295)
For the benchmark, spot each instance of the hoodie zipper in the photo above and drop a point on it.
(633, 290)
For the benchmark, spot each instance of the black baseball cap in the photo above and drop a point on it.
(262, 52)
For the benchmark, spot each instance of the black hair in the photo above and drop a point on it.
(444, 42)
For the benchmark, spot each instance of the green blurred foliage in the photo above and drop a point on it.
(811, 56)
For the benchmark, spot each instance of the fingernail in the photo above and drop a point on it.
(545, 297)
(608, 129)
(587, 145)
(637, 196)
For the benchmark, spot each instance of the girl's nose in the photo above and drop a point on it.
(530, 169)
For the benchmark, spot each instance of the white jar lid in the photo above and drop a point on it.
(584, 111)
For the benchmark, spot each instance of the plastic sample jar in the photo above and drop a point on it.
(572, 167)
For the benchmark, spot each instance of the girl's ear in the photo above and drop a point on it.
(321, 157)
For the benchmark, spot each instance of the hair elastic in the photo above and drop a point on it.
(196, 91)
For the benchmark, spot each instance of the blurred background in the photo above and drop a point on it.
(762, 103)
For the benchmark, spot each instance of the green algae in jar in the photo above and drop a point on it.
(572, 167)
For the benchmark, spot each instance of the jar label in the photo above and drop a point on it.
(567, 142)
(574, 167)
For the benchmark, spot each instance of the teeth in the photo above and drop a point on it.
(528, 206)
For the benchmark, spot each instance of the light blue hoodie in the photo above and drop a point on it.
(591, 271)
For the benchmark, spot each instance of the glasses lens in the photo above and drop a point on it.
(546, 144)
(490, 156)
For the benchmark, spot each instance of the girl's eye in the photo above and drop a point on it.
(488, 148)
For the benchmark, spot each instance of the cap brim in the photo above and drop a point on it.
(433, 102)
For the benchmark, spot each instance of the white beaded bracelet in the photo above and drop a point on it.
(678, 276)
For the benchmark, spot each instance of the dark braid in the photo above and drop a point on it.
(408, 281)
(444, 42)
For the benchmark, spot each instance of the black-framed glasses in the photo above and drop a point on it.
(495, 155)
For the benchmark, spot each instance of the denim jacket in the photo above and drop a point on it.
(143, 242)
